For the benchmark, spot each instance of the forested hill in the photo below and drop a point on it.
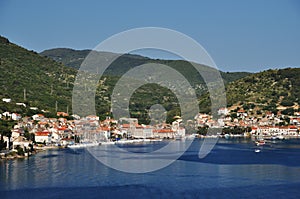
(47, 80)
(270, 90)
(44, 80)
(74, 58)
(281, 87)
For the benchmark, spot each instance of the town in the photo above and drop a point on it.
(38, 132)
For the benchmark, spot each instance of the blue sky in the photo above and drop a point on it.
(251, 35)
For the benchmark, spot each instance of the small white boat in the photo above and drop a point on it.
(108, 143)
(280, 137)
(257, 150)
(260, 142)
(227, 136)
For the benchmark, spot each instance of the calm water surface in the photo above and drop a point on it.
(231, 170)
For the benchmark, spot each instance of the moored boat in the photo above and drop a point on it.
(260, 142)
(227, 136)
(257, 150)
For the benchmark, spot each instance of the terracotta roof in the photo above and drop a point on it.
(62, 128)
(136, 126)
(104, 128)
(292, 127)
(43, 133)
(163, 130)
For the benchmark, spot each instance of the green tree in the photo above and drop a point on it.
(202, 130)
(20, 151)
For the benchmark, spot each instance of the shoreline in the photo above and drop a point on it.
(12, 155)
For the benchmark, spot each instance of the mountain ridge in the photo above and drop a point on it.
(74, 58)
(48, 82)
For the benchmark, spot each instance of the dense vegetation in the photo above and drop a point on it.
(47, 79)
(74, 58)
(270, 88)
(143, 98)
(43, 80)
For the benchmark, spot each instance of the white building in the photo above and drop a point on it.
(16, 116)
(43, 137)
(6, 114)
(20, 104)
(143, 131)
(7, 100)
(55, 137)
(164, 133)
(21, 142)
(38, 117)
(223, 111)
(92, 117)
(17, 133)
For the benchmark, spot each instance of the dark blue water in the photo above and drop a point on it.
(231, 170)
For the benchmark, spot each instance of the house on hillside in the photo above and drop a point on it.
(241, 113)
(38, 117)
(17, 132)
(16, 116)
(62, 114)
(76, 117)
(223, 111)
(21, 104)
(92, 117)
(6, 114)
(7, 100)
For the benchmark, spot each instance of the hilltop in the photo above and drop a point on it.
(48, 77)
(74, 58)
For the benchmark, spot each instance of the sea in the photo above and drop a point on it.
(231, 170)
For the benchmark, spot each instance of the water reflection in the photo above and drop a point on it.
(231, 164)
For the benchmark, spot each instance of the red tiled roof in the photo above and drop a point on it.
(104, 128)
(43, 133)
(128, 126)
(62, 114)
(292, 127)
(62, 128)
(283, 127)
(164, 131)
(125, 125)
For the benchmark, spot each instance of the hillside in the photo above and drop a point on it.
(271, 90)
(267, 88)
(47, 81)
(74, 58)
(44, 80)
(143, 98)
